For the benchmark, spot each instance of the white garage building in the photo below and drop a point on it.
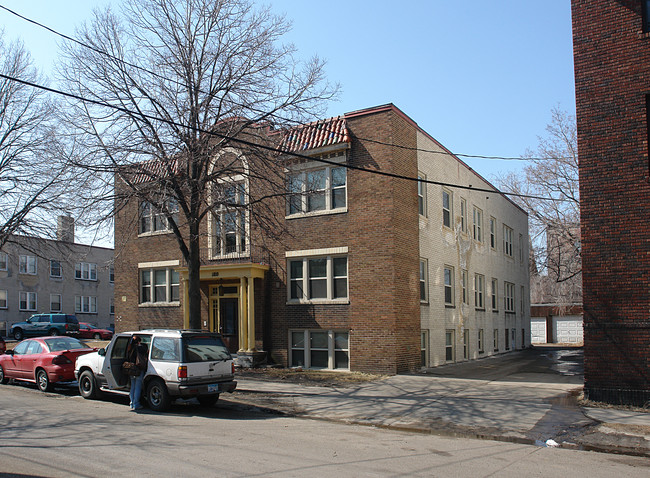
(556, 324)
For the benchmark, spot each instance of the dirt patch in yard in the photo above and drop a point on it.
(319, 378)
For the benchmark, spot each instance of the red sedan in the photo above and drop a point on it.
(90, 331)
(43, 360)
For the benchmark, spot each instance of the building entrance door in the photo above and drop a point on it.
(229, 322)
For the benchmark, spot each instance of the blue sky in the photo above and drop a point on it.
(480, 77)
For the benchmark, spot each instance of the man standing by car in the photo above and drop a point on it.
(136, 358)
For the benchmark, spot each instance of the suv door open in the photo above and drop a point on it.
(115, 357)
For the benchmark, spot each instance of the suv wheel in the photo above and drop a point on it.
(18, 334)
(158, 395)
(52, 332)
(208, 400)
(88, 385)
(43, 381)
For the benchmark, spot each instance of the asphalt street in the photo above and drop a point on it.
(61, 434)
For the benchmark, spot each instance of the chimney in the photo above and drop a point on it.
(65, 229)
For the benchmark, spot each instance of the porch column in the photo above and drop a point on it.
(243, 322)
(251, 315)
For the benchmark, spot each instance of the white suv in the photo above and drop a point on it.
(182, 363)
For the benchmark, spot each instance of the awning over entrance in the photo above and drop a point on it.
(240, 280)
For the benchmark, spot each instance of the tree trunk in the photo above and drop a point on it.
(194, 279)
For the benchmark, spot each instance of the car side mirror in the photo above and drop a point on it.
(9, 352)
(102, 352)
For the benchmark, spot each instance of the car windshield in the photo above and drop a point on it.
(201, 348)
(64, 343)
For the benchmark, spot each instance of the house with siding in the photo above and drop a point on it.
(40, 276)
(393, 255)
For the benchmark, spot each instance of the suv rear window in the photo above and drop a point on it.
(71, 319)
(204, 348)
(58, 319)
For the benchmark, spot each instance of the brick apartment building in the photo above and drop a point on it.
(611, 41)
(371, 272)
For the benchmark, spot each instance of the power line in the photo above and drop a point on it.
(264, 147)
(157, 75)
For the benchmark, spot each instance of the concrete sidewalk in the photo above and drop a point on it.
(523, 397)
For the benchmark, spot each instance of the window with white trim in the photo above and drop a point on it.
(466, 344)
(447, 209)
(495, 295)
(3, 299)
(448, 272)
(85, 271)
(55, 269)
(481, 341)
(4, 261)
(479, 291)
(85, 304)
(477, 229)
(507, 240)
(317, 190)
(496, 340)
(230, 219)
(493, 233)
(319, 349)
(55, 302)
(422, 194)
(424, 348)
(27, 301)
(111, 306)
(111, 274)
(509, 297)
(424, 279)
(27, 264)
(463, 215)
(314, 278)
(153, 220)
(464, 283)
(450, 352)
(159, 286)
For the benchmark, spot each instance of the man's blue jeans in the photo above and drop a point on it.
(136, 391)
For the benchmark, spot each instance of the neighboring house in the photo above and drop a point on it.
(371, 273)
(42, 275)
(611, 42)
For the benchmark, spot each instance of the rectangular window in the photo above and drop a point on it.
(153, 219)
(159, 286)
(513, 336)
(464, 283)
(318, 278)
(111, 306)
(496, 340)
(320, 349)
(27, 265)
(424, 348)
(521, 248)
(509, 297)
(422, 195)
(507, 240)
(449, 346)
(463, 215)
(466, 344)
(55, 302)
(3, 299)
(479, 291)
(507, 336)
(446, 208)
(230, 220)
(481, 341)
(85, 271)
(522, 303)
(4, 261)
(111, 274)
(27, 301)
(317, 190)
(424, 275)
(84, 304)
(55, 269)
(477, 224)
(493, 233)
(449, 285)
(495, 298)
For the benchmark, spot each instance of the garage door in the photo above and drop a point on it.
(568, 330)
(538, 330)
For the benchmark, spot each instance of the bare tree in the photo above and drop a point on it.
(32, 179)
(177, 86)
(552, 174)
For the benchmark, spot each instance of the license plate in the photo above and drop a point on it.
(213, 387)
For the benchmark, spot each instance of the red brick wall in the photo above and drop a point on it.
(612, 70)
